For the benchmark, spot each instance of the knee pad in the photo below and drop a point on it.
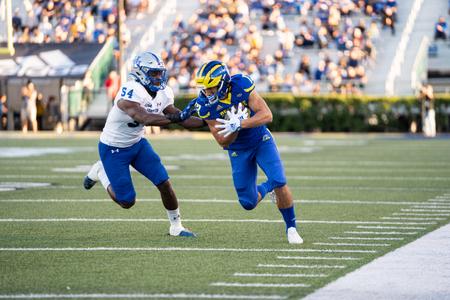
(247, 199)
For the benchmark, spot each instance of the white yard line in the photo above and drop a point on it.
(425, 210)
(317, 258)
(351, 244)
(389, 227)
(24, 220)
(140, 296)
(162, 249)
(277, 275)
(412, 219)
(367, 222)
(271, 285)
(321, 178)
(381, 233)
(302, 266)
(366, 238)
(419, 205)
(443, 204)
(232, 201)
(295, 187)
(329, 163)
(422, 214)
(363, 202)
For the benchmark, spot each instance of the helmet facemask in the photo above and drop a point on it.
(214, 75)
(156, 78)
(219, 94)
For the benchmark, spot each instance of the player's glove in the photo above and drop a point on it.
(233, 123)
(174, 118)
(184, 114)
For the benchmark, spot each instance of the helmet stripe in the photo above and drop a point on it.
(156, 57)
(200, 72)
(211, 66)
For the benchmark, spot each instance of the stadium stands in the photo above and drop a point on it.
(270, 40)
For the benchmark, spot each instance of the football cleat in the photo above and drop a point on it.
(293, 236)
(181, 231)
(88, 183)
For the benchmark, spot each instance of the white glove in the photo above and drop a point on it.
(233, 123)
(242, 112)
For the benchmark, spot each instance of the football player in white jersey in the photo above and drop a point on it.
(143, 100)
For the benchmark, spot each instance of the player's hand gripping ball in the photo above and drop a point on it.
(232, 121)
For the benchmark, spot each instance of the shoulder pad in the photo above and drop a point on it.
(168, 92)
(244, 82)
(132, 91)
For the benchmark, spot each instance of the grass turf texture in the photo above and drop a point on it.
(363, 179)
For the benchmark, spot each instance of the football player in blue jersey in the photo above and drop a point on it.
(244, 134)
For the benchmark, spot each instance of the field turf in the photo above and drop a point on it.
(357, 198)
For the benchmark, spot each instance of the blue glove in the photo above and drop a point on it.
(184, 114)
(188, 110)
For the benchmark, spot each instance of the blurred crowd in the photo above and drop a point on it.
(338, 35)
(45, 21)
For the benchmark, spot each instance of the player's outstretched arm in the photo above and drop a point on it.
(174, 114)
(222, 140)
(262, 115)
(140, 115)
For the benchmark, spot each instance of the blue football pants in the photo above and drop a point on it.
(117, 161)
(244, 165)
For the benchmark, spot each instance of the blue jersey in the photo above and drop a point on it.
(240, 88)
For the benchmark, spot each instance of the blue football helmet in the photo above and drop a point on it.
(149, 69)
(214, 74)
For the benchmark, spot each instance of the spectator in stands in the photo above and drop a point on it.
(17, 21)
(28, 107)
(3, 113)
(388, 19)
(305, 67)
(440, 29)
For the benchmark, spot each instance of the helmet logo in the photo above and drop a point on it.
(137, 61)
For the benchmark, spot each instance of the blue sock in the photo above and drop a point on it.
(288, 216)
(264, 188)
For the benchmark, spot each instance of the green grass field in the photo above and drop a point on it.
(357, 198)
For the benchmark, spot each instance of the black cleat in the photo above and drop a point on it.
(88, 183)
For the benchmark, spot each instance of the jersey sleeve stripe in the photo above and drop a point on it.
(250, 88)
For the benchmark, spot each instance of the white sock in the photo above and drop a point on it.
(174, 217)
(93, 172)
(102, 176)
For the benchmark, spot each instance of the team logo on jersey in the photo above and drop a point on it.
(114, 151)
(234, 154)
(239, 95)
(266, 137)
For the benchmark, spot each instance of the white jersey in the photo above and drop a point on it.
(120, 129)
